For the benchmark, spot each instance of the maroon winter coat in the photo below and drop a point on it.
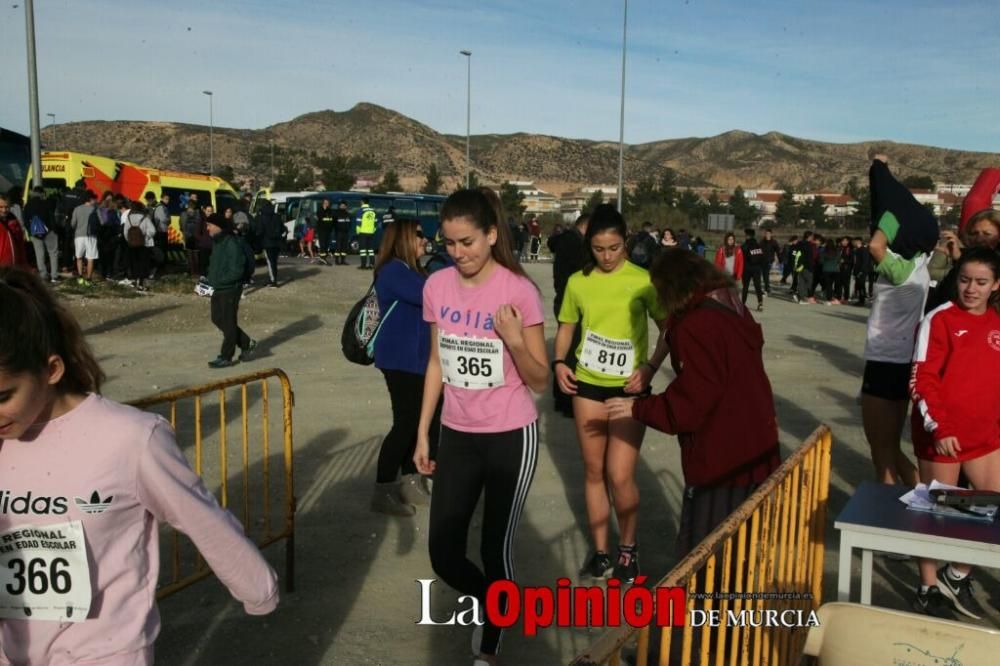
(12, 243)
(720, 405)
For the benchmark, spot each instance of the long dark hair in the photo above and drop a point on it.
(35, 326)
(679, 276)
(482, 206)
(730, 250)
(397, 243)
(604, 217)
(980, 255)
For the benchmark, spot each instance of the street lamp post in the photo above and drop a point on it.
(621, 119)
(468, 115)
(36, 139)
(53, 126)
(211, 138)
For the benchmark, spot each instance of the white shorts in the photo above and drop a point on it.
(86, 248)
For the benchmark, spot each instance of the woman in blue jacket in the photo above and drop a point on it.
(401, 353)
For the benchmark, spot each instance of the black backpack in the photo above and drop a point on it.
(93, 223)
(361, 328)
(643, 250)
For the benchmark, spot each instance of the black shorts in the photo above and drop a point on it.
(889, 381)
(602, 393)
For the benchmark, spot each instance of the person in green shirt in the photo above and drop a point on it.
(611, 301)
(225, 275)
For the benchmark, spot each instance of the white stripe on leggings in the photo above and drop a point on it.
(529, 455)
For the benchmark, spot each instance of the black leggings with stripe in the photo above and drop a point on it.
(501, 464)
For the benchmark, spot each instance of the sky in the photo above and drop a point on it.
(916, 71)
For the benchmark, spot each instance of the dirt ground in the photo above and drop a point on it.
(357, 599)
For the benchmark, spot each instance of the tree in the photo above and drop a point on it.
(390, 183)
(715, 204)
(305, 180)
(225, 172)
(595, 200)
(512, 199)
(667, 187)
(691, 205)
(741, 208)
(286, 177)
(863, 212)
(335, 174)
(814, 211)
(951, 217)
(919, 183)
(786, 212)
(644, 195)
(473, 182)
(432, 181)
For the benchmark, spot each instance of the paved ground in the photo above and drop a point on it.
(357, 600)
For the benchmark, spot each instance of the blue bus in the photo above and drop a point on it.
(15, 158)
(425, 208)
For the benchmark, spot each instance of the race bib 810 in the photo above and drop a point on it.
(471, 363)
(608, 356)
(44, 573)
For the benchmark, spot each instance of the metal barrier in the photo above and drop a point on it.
(773, 543)
(193, 401)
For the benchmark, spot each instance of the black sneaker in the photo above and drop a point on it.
(246, 354)
(959, 593)
(933, 603)
(627, 567)
(221, 363)
(597, 566)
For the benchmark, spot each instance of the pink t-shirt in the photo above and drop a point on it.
(464, 319)
(114, 472)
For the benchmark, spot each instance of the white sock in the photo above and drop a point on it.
(955, 574)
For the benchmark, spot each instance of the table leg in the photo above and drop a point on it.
(844, 572)
(866, 576)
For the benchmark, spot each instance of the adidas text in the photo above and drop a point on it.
(23, 504)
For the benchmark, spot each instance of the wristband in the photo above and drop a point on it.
(556, 362)
(651, 367)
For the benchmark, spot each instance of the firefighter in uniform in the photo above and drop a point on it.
(342, 228)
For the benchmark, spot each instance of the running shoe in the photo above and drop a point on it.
(933, 603)
(760, 307)
(247, 353)
(959, 593)
(627, 567)
(597, 566)
(795, 297)
(221, 363)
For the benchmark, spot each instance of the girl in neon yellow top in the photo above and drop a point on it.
(611, 301)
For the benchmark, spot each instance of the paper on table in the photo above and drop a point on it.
(919, 499)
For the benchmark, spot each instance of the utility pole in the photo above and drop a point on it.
(36, 138)
(621, 120)
(468, 115)
(272, 162)
(211, 141)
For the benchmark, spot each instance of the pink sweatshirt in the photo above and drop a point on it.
(117, 471)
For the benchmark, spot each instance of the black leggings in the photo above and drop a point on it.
(503, 465)
(406, 393)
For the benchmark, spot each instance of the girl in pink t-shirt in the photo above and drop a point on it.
(85, 482)
(487, 354)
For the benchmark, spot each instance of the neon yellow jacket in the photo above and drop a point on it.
(366, 220)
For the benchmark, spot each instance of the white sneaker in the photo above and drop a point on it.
(477, 640)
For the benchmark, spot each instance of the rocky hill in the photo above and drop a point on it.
(379, 139)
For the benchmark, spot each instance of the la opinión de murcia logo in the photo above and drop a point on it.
(567, 605)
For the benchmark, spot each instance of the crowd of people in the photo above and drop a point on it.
(462, 351)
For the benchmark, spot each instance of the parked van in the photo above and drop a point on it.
(286, 205)
(61, 170)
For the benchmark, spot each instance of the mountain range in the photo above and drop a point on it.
(376, 140)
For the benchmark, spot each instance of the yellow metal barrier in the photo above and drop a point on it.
(773, 543)
(185, 408)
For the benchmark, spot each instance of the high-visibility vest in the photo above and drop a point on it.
(366, 220)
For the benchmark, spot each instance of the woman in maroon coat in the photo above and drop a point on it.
(720, 405)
